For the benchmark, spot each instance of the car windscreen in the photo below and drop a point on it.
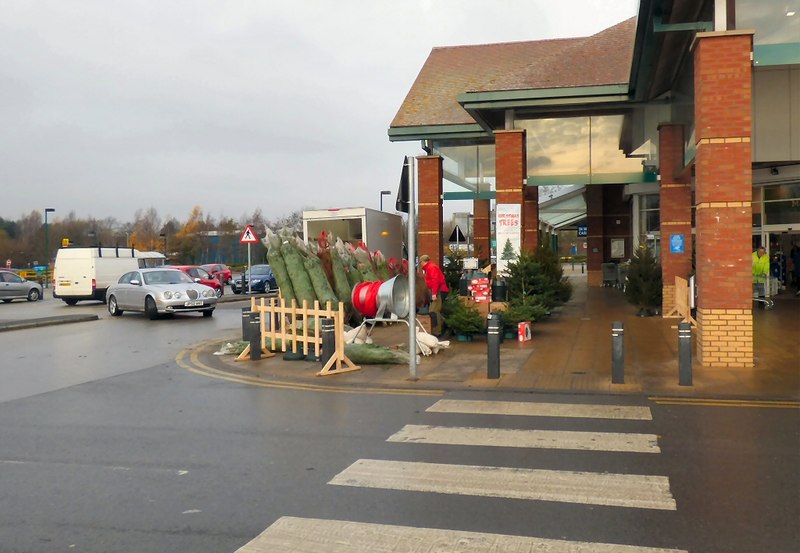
(166, 277)
(261, 270)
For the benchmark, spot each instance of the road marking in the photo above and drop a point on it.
(619, 490)
(310, 535)
(708, 402)
(544, 439)
(194, 365)
(572, 410)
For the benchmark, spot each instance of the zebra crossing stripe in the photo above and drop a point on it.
(573, 410)
(309, 535)
(544, 439)
(618, 490)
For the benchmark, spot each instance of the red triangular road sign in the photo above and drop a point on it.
(249, 236)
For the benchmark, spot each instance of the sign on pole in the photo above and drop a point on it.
(248, 237)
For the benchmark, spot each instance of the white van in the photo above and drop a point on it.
(86, 273)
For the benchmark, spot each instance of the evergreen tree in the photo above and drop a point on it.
(644, 281)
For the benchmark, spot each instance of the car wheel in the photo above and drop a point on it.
(7, 301)
(234, 290)
(208, 313)
(267, 288)
(34, 294)
(113, 307)
(71, 301)
(150, 308)
(218, 291)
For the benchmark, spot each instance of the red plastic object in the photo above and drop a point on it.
(365, 298)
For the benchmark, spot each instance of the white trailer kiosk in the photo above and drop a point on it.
(377, 229)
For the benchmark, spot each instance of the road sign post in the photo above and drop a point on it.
(248, 237)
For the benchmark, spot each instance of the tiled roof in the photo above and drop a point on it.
(600, 59)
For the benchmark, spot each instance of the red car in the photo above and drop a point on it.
(201, 276)
(215, 268)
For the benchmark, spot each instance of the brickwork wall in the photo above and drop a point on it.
(676, 211)
(723, 176)
(481, 229)
(594, 241)
(429, 225)
(727, 337)
(512, 172)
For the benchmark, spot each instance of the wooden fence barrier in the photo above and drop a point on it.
(299, 327)
(682, 307)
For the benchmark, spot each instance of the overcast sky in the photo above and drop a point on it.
(107, 107)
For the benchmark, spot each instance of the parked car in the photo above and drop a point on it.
(262, 281)
(198, 274)
(14, 287)
(160, 291)
(214, 269)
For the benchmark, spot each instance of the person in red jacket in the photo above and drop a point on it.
(434, 280)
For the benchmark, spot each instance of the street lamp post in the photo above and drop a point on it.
(47, 210)
(163, 236)
(384, 193)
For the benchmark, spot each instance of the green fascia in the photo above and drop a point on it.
(436, 132)
(472, 100)
(488, 195)
(699, 26)
(776, 54)
(597, 178)
(548, 102)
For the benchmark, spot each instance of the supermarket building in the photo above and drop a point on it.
(681, 126)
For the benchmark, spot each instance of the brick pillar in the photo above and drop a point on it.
(429, 203)
(512, 174)
(595, 238)
(676, 211)
(481, 230)
(724, 183)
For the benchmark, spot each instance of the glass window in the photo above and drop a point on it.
(650, 216)
(774, 22)
(782, 204)
(576, 146)
(469, 167)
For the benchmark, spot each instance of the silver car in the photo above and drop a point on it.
(14, 287)
(159, 292)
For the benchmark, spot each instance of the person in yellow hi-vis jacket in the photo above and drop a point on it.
(760, 272)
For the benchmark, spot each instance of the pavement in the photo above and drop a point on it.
(569, 352)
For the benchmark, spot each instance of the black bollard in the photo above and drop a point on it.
(245, 324)
(255, 336)
(684, 354)
(493, 334)
(617, 352)
(328, 329)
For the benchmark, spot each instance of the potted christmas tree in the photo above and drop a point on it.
(644, 288)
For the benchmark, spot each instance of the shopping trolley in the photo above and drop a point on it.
(762, 293)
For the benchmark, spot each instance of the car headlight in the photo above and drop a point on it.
(167, 295)
(257, 280)
(208, 293)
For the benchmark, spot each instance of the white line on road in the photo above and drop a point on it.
(308, 535)
(573, 410)
(545, 439)
(619, 490)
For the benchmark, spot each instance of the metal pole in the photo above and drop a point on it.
(684, 354)
(617, 352)
(412, 271)
(249, 275)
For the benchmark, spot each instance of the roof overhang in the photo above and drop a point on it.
(470, 131)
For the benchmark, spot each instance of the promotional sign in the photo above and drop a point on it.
(583, 231)
(508, 233)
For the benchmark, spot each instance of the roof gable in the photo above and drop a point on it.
(603, 58)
